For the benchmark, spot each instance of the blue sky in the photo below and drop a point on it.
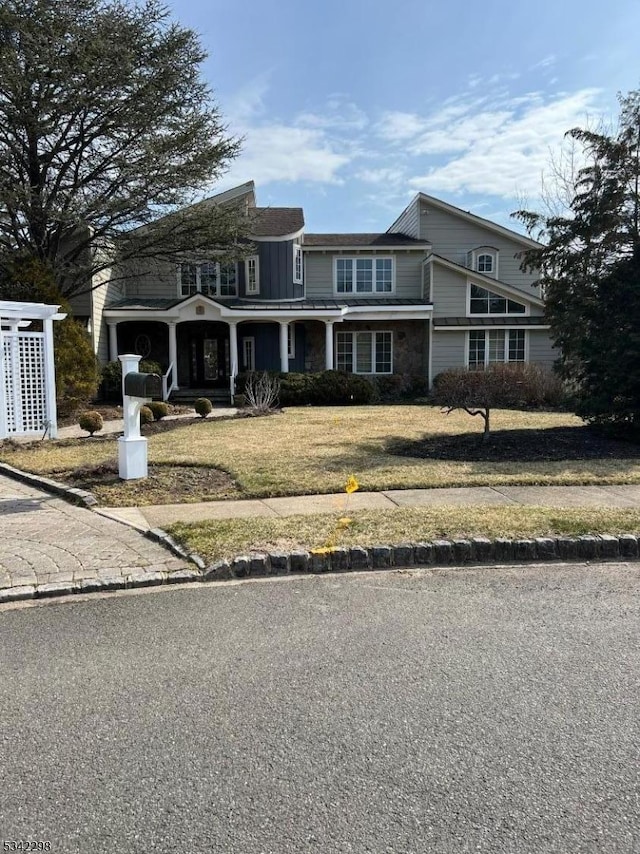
(349, 108)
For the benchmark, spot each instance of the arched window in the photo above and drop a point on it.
(485, 263)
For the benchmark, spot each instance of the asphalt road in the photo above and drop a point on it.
(492, 710)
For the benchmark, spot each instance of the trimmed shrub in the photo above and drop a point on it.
(261, 392)
(296, 389)
(340, 388)
(159, 408)
(146, 415)
(91, 422)
(203, 406)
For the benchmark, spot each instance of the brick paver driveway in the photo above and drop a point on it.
(44, 540)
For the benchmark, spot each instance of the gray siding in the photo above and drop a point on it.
(106, 291)
(449, 292)
(447, 351)
(452, 237)
(408, 221)
(541, 350)
(319, 274)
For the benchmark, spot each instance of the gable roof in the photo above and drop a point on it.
(527, 242)
(276, 222)
(489, 281)
(387, 239)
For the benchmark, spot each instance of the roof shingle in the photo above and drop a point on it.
(359, 239)
(275, 222)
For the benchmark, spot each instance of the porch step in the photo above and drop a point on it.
(186, 396)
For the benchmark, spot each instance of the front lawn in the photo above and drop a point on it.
(314, 450)
(227, 538)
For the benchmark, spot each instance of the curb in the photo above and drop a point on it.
(477, 551)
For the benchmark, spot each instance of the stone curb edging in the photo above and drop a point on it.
(437, 553)
(87, 499)
(70, 493)
(476, 551)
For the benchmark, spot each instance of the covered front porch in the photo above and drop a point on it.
(203, 344)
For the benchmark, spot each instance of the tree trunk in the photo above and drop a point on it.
(485, 415)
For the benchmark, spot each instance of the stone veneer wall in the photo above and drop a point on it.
(410, 343)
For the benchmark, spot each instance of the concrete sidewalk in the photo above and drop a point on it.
(160, 516)
(74, 431)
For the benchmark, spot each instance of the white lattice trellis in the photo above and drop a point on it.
(27, 375)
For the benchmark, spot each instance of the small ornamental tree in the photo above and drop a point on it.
(478, 392)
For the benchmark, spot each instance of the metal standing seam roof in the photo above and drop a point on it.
(483, 320)
(157, 304)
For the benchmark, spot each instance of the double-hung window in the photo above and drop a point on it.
(297, 264)
(364, 352)
(363, 276)
(252, 274)
(208, 277)
(491, 346)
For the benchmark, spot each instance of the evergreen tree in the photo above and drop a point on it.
(107, 134)
(589, 264)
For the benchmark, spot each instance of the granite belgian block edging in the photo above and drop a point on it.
(476, 551)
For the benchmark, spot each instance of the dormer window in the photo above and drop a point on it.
(484, 259)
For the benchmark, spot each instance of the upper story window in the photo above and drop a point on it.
(482, 301)
(484, 259)
(208, 277)
(364, 276)
(297, 264)
(252, 274)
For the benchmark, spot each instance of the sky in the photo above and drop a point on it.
(349, 108)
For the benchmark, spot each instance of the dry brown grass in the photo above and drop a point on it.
(312, 450)
(231, 537)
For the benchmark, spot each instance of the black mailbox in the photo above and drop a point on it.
(142, 385)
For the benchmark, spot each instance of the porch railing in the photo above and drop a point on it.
(168, 382)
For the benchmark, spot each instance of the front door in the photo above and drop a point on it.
(209, 361)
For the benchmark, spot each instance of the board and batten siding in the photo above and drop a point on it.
(319, 274)
(453, 237)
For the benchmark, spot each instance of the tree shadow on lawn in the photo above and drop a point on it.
(552, 444)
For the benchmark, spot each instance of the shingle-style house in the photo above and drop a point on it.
(441, 288)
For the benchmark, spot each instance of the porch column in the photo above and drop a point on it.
(113, 340)
(284, 347)
(233, 347)
(173, 351)
(328, 345)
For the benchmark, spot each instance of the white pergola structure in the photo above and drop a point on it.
(27, 371)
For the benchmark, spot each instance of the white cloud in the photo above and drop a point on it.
(499, 149)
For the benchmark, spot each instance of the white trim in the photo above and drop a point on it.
(479, 252)
(525, 313)
(297, 253)
(430, 354)
(249, 365)
(506, 359)
(504, 325)
(373, 291)
(198, 264)
(354, 355)
(484, 281)
(379, 247)
(256, 261)
(478, 220)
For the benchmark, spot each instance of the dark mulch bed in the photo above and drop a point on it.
(553, 443)
(166, 483)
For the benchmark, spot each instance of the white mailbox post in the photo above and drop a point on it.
(132, 447)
